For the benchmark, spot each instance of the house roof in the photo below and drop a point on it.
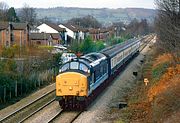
(4, 25)
(45, 36)
(76, 28)
(55, 36)
(95, 31)
(104, 30)
(19, 26)
(56, 27)
(71, 27)
(14, 26)
(39, 36)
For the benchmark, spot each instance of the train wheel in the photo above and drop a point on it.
(85, 105)
(62, 104)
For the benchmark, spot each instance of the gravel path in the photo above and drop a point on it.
(108, 99)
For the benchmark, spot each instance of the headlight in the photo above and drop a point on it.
(88, 71)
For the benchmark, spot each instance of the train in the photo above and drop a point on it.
(79, 80)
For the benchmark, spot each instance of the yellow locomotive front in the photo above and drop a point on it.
(72, 84)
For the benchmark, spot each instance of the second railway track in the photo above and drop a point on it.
(27, 110)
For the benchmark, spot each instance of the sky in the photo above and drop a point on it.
(82, 3)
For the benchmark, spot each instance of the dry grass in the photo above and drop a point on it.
(159, 102)
(162, 59)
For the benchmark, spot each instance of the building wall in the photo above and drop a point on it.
(81, 35)
(46, 29)
(39, 42)
(4, 38)
(69, 32)
(55, 42)
(20, 37)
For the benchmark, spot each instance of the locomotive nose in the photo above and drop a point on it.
(71, 84)
(70, 88)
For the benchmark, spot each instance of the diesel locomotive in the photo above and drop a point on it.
(79, 79)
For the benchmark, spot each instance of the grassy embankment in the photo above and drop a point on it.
(159, 101)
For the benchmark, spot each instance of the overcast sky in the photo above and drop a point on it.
(82, 3)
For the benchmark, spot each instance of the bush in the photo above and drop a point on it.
(99, 45)
(75, 46)
(159, 70)
(87, 46)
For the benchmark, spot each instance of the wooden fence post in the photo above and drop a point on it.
(4, 94)
(10, 91)
(15, 88)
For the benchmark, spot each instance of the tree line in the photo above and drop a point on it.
(26, 14)
(167, 25)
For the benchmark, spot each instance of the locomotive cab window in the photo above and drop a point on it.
(65, 67)
(74, 65)
(83, 67)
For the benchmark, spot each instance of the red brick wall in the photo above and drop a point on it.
(4, 38)
(20, 37)
(39, 42)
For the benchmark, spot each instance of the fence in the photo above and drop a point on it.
(20, 76)
(24, 86)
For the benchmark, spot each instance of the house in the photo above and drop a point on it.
(99, 34)
(103, 34)
(74, 32)
(94, 34)
(56, 39)
(14, 34)
(40, 39)
(45, 39)
(53, 29)
(71, 34)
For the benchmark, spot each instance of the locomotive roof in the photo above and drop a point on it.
(110, 51)
(93, 58)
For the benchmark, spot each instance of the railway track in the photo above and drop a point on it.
(146, 41)
(28, 110)
(39, 109)
(65, 117)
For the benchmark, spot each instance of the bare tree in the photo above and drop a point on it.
(87, 22)
(27, 14)
(3, 11)
(167, 24)
(136, 28)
